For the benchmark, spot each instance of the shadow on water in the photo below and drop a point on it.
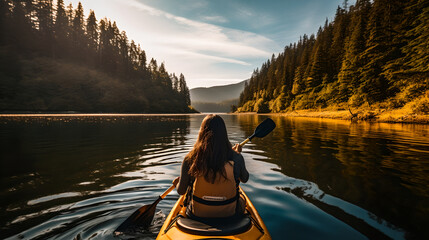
(381, 169)
(68, 171)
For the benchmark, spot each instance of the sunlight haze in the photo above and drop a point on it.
(213, 42)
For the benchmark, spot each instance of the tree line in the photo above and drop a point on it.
(53, 58)
(374, 53)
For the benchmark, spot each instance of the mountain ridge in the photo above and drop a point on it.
(216, 98)
(217, 94)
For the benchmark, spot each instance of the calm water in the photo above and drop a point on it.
(79, 177)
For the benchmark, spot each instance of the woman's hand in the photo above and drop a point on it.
(237, 148)
(176, 181)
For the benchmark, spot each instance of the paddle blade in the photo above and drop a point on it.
(142, 217)
(264, 128)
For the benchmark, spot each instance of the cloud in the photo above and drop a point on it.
(204, 38)
(215, 19)
(212, 58)
(206, 53)
(194, 41)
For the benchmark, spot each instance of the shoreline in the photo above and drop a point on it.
(379, 115)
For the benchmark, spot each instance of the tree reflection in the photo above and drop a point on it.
(43, 156)
(382, 168)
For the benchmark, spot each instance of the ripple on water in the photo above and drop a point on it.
(302, 205)
(291, 208)
(97, 216)
(53, 197)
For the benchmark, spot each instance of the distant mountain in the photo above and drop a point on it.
(217, 94)
(217, 98)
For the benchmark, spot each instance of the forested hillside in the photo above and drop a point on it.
(374, 54)
(53, 58)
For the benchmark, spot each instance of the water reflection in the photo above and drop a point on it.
(79, 177)
(382, 168)
(49, 162)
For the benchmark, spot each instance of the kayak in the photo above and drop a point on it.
(248, 226)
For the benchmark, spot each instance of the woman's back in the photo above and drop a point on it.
(216, 199)
(213, 169)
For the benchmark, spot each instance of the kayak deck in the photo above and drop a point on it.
(177, 226)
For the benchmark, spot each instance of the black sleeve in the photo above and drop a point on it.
(185, 179)
(240, 168)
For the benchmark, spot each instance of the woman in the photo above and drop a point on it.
(213, 169)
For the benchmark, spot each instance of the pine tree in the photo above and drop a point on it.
(61, 31)
(381, 49)
(153, 66)
(394, 24)
(298, 82)
(92, 31)
(317, 68)
(175, 82)
(22, 32)
(348, 77)
(45, 25)
(184, 90)
(78, 33)
(340, 31)
(124, 53)
(373, 82)
(165, 79)
(70, 15)
(103, 43)
(416, 50)
(142, 60)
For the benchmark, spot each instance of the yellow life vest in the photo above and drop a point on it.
(218, 199)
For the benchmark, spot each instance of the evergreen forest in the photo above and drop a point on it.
(373, 55)
(54, 59)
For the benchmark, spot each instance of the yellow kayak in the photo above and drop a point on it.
(178, 226)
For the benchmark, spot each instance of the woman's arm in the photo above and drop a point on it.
(182, 182)
(244, 174)
(239, 164)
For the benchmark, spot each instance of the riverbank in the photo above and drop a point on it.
(378, 115)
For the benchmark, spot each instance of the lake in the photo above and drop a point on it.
(80, 176)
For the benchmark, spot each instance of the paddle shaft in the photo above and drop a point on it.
(162, 196)
(244, 142)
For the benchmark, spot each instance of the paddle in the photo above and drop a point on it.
(261, 130)
(143, 216)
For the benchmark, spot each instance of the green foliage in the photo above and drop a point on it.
(372, 52)
(277, 105)
(66, 62)
(421, 105)
(261, 106)
(415, 34)
(247, 107)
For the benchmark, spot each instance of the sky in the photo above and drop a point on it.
(213, 42)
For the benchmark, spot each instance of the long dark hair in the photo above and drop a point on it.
(211, 151)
